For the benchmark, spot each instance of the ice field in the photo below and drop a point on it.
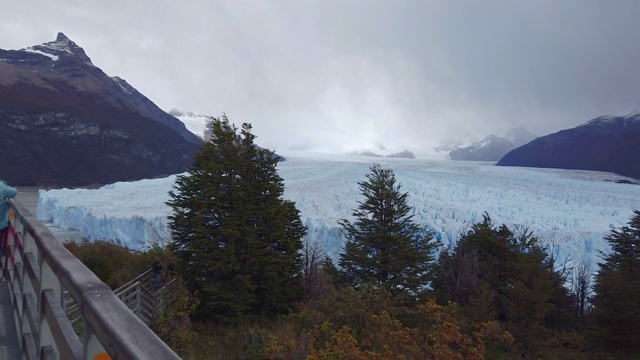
(571, 208)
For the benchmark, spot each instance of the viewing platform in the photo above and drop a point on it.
(54, 307)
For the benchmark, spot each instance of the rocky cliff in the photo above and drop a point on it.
(64, 122)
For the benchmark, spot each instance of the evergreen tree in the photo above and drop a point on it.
(495, 274)
(384, 247)
(239, 242)
(616, 303)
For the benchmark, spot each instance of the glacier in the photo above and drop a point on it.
(572, 209)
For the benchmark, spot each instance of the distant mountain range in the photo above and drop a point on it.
(64, 122)
(455, 137)
(404, 154)
(607, 143)
(492, 147)
(379, 150)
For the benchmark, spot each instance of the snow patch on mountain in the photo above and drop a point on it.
(50, 56)
(126, 88)
(633, 118)
(196, 123)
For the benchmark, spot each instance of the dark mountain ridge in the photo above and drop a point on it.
(493, 147)
(606, 143)
(64, 122)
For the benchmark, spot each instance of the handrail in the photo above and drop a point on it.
(132, 281)
(108, 324)
(136, 295)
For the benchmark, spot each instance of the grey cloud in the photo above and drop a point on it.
(350, 73)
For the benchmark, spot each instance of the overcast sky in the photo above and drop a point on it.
(351, 73)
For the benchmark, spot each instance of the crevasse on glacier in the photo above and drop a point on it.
(574, 209)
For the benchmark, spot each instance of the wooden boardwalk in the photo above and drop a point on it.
(9, 347)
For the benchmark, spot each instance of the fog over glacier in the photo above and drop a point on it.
(572, 208)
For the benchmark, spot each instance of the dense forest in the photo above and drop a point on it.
(254, 285)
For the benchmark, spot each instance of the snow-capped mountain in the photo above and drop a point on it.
(379, 150)
(493, 147)
(606, 143)
(62, 47)
(454, 138)
(196, 123)
(64, 122)
(520, 135)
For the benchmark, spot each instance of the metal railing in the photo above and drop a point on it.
(40, 270)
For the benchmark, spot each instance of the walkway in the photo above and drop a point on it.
(43, 261)
(9, 347)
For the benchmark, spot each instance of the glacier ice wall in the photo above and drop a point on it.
(132, 213)
(574, 209)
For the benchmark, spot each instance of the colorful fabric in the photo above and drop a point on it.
(6, 192)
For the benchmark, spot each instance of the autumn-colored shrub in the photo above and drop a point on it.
(366, 325)
(114, 263)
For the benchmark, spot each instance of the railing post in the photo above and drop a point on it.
(30, 291)
(90, 342)
(15, 271)
(48, 280)
(138, 300)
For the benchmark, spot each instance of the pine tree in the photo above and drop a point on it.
(384, 247)
(616, 303)
(496, 274)
(239, 242)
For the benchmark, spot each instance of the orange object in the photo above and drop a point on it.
(102, 356)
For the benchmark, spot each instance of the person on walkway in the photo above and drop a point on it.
(6, 192)
(156, 275)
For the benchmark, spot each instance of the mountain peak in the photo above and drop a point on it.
(63, 42)
(62, 37)
(520, 135)
(62, 46)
